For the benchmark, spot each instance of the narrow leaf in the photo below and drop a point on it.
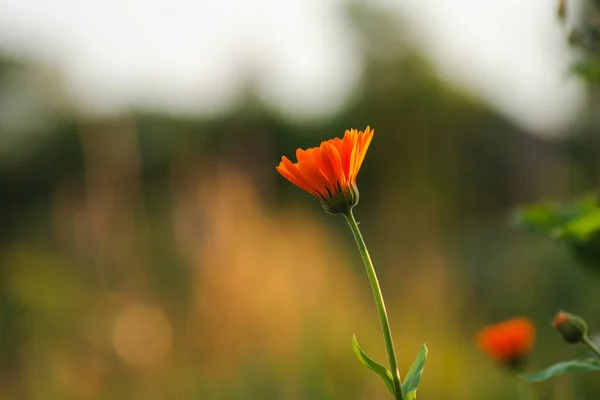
(379, 369)
(578, 365)
(413, 378)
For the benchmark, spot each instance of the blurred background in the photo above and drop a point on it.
(149, 250)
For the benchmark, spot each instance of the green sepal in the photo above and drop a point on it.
(577, 365)
(379, 369)
(413, 378)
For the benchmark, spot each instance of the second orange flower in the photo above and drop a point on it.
(508, 342)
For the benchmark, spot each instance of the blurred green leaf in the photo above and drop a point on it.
(539, 218)
(587, 69)
(578, 365)
(577, 225)
(584, 227)
(413, 378)
(379, 369)
(550, 218)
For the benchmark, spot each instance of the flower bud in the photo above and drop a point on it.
(572, 328)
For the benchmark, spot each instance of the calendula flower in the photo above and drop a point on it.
(329, 171)
(508, 342)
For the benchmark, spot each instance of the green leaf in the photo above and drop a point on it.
(379, 369)
(552, 218)
(538, 218)
(587, 69)
(578, 365)
(413, 378)
(585, 226)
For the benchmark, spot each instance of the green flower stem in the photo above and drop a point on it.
(586, 340)
(385, 325)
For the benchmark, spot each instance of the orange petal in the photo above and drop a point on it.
(314, 176)
(364, 141)
(291, 172)
(349, 154)
(331, 165)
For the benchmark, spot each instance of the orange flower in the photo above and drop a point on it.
(509, 342)
(329, 171)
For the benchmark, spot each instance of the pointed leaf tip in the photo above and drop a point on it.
(379, 369)
(413, 378)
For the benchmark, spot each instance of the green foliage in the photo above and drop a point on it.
(556, 220)
(542, 218)
(413, 378)
(587, 70)
(583, 227)
(576, 225)
(379, 369)
(577, 365)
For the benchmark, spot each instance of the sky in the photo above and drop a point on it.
(186, 56)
